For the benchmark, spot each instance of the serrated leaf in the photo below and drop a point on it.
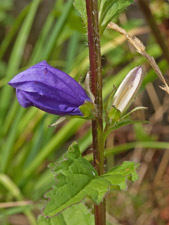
(109, 9)
(80, 6)
(78, 179)
(124, 168)
(42, 220)
(76, 214)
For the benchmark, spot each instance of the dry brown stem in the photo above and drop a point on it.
(138, 45)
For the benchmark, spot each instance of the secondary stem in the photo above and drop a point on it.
(96, 87)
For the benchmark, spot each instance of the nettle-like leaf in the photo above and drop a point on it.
(78, 179)
(109, 9)
(76, 214)
(80, 6)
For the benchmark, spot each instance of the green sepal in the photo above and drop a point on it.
(113, 115)
(108, 104)
(125, 122)
(133, 110)
(88, 109)
(115, 119)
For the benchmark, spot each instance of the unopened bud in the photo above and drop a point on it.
(128, 89)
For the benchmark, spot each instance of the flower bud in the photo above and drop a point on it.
(49, 89)
(128, 89)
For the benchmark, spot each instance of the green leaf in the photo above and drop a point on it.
(81, 8)
(126, 169)
(109, 9)
(76, 214)
(77, 179)
(42, 220)
(88, 110)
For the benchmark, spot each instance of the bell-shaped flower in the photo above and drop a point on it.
(128, 89)
(49, 89)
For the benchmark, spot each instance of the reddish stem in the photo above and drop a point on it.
(96, 88)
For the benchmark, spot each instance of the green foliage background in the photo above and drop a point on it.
(27, 144)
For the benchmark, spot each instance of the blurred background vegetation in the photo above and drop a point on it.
(32, 31)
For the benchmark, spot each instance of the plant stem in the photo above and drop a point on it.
(154, 27)
(96, 88)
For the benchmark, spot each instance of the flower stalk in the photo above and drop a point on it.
(96, 88)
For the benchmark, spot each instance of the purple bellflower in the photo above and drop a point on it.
(49, 89)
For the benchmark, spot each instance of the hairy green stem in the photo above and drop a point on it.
(96, 88)
(154, 27)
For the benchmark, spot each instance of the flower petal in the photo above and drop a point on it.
(23, 101)
(128, 89)
(48, 104)
(44, 78)
(49, 89)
